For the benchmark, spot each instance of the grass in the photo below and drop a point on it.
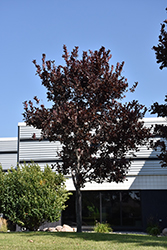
(79, 241)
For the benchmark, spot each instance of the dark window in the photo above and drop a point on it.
(90, 207)
(69, 215)
(118, 208)
(131, 209)
(111, 209)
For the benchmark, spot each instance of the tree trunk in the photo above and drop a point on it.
(78, 204)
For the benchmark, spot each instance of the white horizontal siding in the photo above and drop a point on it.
(35, 150)
(143, 173)
(8, 152)
(148, 167)
(8, 160)
(8, 144)
(38, 150)
(26, 132)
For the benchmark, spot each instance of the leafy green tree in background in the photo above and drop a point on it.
(30, 196)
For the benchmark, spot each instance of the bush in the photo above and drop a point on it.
(155, 231)
(1, 187)
(31, 196)
(152, 227)
(102, 228)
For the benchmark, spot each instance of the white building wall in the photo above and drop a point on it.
(145, 171)
(31, 149)
(131, 183)
(8, 152)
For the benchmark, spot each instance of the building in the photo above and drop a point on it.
(8, 152)
(126, 206)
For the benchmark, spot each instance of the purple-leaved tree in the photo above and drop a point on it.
(88, 117)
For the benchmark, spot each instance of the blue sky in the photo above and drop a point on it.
(129, 28)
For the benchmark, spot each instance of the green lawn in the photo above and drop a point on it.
(72, 241)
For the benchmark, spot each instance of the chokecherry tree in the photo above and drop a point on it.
(88, 116)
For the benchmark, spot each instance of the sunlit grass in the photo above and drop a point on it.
(72, 241)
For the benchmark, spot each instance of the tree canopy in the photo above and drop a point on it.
(88, 116)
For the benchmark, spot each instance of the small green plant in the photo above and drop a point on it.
(155, 231)
(152, 227)
(102, 228)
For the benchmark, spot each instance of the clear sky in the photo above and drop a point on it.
(129, 28)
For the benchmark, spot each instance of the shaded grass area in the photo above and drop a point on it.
(72, 241)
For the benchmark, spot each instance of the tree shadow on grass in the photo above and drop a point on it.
(138, 240)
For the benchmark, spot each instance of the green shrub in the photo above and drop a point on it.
(1, 187)
(152, 227)
(155, 231)
(31, 196)
(102, 228)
